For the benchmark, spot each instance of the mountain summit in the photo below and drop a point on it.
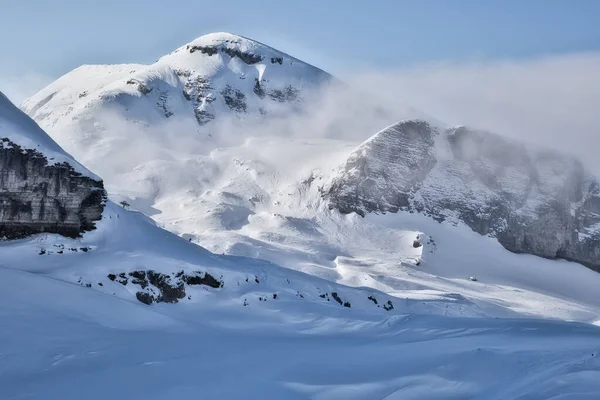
(215, 75)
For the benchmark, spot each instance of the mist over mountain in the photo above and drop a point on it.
(273, 231)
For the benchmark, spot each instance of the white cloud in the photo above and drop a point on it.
(554, 100)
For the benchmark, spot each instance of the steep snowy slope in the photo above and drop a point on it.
(65, 320)
(21, 130)
(42, 188)
(533, 201)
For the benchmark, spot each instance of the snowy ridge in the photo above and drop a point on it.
(20, 129)
(533, 201)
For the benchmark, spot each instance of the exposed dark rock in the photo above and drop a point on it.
(388, 306)
(401, 158)
(234, 98)
(208, 50)
(289, 93)
(203, 117)
(197, 88)
(139, 278)
(37, 197)
(277, 60)
(347, 304)
(207, 280)
(248, 58)
(141, 86)
(163, 103)
(258, 89)
(373, 299)
(336, 297)
(141, 275)
(417, 244)
(324, 296)
(144, 297)
(170, 291)
(122, 279)
(171, 287)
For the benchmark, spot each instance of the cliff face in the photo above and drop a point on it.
(537, 202)
(38, 197)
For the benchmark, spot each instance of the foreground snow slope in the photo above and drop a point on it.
(62, 339)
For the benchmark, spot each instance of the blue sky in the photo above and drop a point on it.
(53, 37)
(523, 68)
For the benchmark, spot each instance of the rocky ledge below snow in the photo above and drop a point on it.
(533, 201)
(38, 197)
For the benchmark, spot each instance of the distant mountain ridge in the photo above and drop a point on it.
(533, 201)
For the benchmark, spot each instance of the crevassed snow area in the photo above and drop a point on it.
(62, 340)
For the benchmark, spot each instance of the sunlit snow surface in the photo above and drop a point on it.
(62, 340)
(250, 193)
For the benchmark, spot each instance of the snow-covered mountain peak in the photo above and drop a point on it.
(214, 76)
(250, 51)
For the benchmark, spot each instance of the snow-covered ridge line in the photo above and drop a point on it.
(42, 188)
(533, 201)
(19, 128)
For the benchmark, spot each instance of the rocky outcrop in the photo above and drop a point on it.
(156, 287)
(533, 201)
(38, 197)
(381, 173)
